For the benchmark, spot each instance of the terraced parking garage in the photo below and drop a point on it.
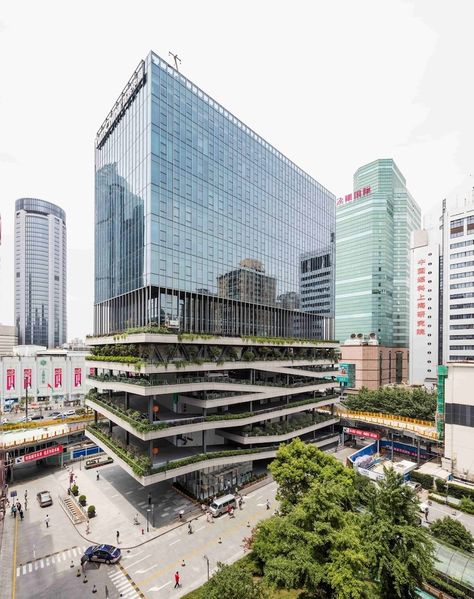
(204, 409)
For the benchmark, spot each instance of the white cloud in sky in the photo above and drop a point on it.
(333, 85)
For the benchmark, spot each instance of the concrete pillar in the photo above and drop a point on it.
(204, 444)
(127, 437)
(127, 400)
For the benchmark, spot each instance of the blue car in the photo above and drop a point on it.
(107, 554)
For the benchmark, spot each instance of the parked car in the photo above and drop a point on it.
(44, 498)
(25, 419)
(37, 417)
(414, 486)
(69, 413)
(221, 505)
(101, 553)
(55, 414)
(58, 417)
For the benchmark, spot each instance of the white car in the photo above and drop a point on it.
(69, 413)
(423, 507)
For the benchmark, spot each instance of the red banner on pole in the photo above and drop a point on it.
(27, 377)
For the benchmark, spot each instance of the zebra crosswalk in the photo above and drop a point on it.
(123, 585)
(60, 560)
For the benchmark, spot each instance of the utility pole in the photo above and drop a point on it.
(176, 60)
(207, 560)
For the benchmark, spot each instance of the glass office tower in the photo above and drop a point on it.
(373, 255)
(40, 273)
(192, 205)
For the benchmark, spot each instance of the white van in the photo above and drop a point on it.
(221, 505)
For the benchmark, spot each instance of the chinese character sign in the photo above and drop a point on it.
(365, 191)
(420, 297)
(27, 378)
(58, 377)
(77, 377)
(10, 379)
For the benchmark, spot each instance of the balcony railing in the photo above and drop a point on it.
(141, 425)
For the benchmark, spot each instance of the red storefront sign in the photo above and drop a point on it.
(43, 453)
(77, 377)
(360, 433)
(27, 377)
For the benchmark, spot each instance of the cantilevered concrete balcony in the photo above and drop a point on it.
(182, 424)
(265, 439)
(169, 463)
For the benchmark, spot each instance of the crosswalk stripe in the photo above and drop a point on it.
(18, 570)
(41, 563)
(122, 584)
(30, 567)
(24, 570)
(116, 575)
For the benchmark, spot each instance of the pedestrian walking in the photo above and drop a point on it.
(21, 514)
(176, 580)
(268, 504)
(203, 507)
(240, 503)
(209, 518)
(426, 514)
(26, 494)
(14, 510)
(46, 521)
(190, 529)
(118, 536)
(97, 475)
(18, 505)
(180, 515)
(26, 503)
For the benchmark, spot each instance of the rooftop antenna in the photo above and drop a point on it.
(176, 60)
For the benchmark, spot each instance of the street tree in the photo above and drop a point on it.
(233, 582)
(454, 532)
(400, 552)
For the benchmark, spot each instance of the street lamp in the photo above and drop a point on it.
(148, 510)
(207, 560)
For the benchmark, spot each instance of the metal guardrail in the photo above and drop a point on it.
(423, 428)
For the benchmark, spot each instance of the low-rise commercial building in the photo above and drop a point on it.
(375, 365)
(48, 375)
(8, 339)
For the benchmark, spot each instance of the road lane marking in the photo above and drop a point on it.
(198, 529)
(174, 542)
(140, 560)
(144, 571)
(159, 588)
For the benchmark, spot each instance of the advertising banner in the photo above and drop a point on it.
(27, 378)
(361, 433)
(38, 455)
(58, 378)
(43, 376)
(10, 379)
(77, 377)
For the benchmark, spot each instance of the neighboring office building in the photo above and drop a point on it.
(317, 278)
(459, 420)
(375, 365)
(457, 227)
(217, 195)
(40, 273)
(425, 294)
(50, 375)
(372, 255)
(8, 339)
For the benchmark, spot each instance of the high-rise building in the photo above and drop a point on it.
(457, 229)
(40, 273)
(198, 193)
(425, 294)
(200, 225)
(317, 279)
(373, 255)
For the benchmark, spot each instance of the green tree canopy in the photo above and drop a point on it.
(403, 401)
(454, 532)
(233, 582)
(400, 552)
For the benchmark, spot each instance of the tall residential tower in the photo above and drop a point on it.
(373, 255)
(40, 273)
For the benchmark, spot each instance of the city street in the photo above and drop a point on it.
(43, 555)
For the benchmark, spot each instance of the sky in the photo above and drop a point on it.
(332, 85)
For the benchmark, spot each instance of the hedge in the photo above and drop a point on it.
(442, 585)
(425, 480)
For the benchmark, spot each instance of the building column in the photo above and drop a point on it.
(204, 445)
(127, 400)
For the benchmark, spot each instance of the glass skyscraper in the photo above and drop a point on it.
(40, 273)
(373, 255)
(185, 195)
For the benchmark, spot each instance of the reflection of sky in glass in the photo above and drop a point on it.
(214, 193)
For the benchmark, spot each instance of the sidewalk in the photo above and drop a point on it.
(116, 511)
(7, 549)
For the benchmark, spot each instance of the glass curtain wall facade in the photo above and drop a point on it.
(373, 255)
(40, 273)
(185, 195)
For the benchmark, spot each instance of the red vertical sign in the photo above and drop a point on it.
(27, 378)
(77, 377)
(10, 379)
(58, 377)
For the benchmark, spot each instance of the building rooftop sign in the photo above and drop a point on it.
(350, 197)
